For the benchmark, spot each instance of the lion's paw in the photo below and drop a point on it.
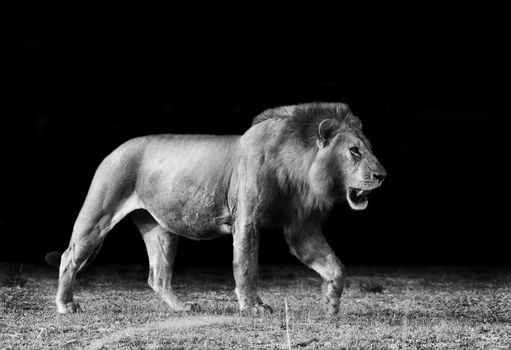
(262, 309)
(69, 308)
(192, 307)
(332, 310)
(186, 307)
(258, 309)
(332, 305)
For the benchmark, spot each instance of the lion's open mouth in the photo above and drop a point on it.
(357, 198)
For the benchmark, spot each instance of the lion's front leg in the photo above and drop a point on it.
(245, 266)
(311, 247)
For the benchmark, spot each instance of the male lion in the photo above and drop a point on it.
(286, 172)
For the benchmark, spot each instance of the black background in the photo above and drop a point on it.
(78, 81)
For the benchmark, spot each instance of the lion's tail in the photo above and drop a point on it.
(53, 259)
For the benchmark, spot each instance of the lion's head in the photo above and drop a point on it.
(343, 166)
(347, 154)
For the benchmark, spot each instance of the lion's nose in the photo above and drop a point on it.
(379, 177)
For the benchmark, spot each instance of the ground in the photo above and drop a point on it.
(382, 308)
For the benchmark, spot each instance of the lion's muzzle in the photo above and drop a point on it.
(357, 196)
(379, 176)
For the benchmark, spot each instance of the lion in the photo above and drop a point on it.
(286, 171)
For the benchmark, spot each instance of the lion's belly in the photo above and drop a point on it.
(190, 209)
(194, 220)
(184, 185)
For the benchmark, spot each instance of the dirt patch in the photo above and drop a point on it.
(173, 324)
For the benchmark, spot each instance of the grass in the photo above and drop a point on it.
(382, 308)
(14, 275)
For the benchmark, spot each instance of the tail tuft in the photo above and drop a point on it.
(53, 259)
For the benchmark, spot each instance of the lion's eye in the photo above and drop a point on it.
(355, 151)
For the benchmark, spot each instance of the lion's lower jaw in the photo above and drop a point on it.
(357, 206)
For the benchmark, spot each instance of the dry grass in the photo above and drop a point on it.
(13, 275)
(383, 308)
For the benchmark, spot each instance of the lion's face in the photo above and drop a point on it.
(351, 164)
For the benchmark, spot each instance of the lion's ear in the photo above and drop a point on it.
(326, 131)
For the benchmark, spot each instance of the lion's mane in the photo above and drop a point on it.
(302, 120)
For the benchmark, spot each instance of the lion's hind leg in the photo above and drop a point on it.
(84, 246)
(108, 201)
(88, 234)
(161, 249)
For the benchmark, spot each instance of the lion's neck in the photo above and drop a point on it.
(301, 181)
